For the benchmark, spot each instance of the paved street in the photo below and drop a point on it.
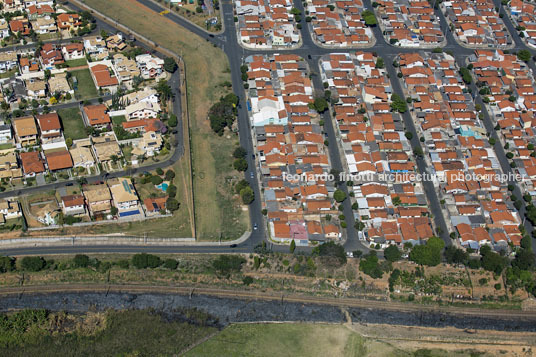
(227, 40)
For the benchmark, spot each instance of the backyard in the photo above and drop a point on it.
(73, 125)
(85, 88)
(218, 210)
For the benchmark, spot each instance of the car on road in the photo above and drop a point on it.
(255, 226)
(233, 246)
(251, 174)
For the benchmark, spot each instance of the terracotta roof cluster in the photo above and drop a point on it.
(461, 157)
(476, 22)
(266, 23)
(410, 23)
(289, 141)
(523, 15)
(342, 26)
(376, 151)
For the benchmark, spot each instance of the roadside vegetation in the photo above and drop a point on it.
(327, 272)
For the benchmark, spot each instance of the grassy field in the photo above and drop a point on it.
(310, 340)
(73, 125)
(122, 333)
(76, 62)
(86, 87)
(118, 120)
(217, 210)
(282, 340)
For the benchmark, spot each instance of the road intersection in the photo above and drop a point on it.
(311, 52)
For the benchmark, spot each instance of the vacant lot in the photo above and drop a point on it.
(218, 211)
(73, 125)
(86, 87)
(76, 62)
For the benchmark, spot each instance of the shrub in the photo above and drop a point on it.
(32, 263)
(227, 264)
(81, 261)
(171, 264)
(144, 260)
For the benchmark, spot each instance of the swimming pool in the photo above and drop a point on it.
(163, 186)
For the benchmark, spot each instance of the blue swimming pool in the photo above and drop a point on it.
(163, 186)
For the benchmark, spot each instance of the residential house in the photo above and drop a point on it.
(4, 29)
(49, 125)
(106, 148)
(44, 25)
(98, 199)
(50, 56)
(103, 79)
(36, 88)
(5, 133)
(32, 163)
(28, 65)
(10, 209)
(150, 66)
(96, 48)
(73, 51)
(96, 116)
(68, 21)
(150, 144)
(124, 196)
(126, 68)
(73, 205)
(9, 166)
(82, 156)
(59, 84)
(20, 25)
(43, 11)
(25, 131)
(142, 110)
(116, 43)
(155, 204)
(8, 61)
(59, 160)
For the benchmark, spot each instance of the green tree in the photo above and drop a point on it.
(239, 152)
(370, 265)
(172, 121)
(380, 63)
(247, 195)
(32, 263)
(81, 261)
(172, 204)
(398, 104)
(170, 175)
(320, 104)
(227, 264)
(369, 18)
(144, 261)
(292, 246)
(7, 264)
(170, 65)
(392, 253)
(171, 264)
(339, 195)
(331, 249)
(240, 164)
(524, 55)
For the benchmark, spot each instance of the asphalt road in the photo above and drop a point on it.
(227, 40)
